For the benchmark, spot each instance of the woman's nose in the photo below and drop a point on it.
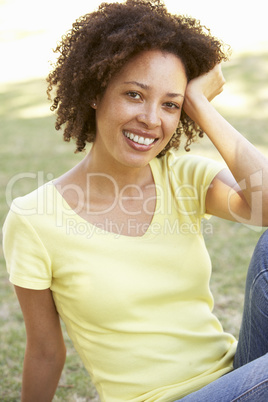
(150, 117)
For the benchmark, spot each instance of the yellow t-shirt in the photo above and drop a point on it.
(138, 309)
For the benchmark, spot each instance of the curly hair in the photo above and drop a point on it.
(102, 42)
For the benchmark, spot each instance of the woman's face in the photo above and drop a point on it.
(140, 109)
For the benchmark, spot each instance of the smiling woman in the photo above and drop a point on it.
(137, 108)
(95, 42)
(114, 246)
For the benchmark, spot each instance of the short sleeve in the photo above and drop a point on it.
(192, 176)
(27, 260)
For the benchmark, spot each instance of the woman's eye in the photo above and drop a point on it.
(172, 105)
(134, 95)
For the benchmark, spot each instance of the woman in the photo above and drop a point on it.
(114, 246)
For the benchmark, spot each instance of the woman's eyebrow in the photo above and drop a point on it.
(144, 86)
(174, 95)
(139, 84)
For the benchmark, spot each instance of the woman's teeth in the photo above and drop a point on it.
(138, 139)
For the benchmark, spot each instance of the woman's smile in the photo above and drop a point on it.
(139, 139)
(140, 109)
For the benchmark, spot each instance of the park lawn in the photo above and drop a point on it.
(32, 152)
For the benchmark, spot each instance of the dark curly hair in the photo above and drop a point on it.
(102, 42)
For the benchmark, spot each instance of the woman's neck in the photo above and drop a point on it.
(122, 177)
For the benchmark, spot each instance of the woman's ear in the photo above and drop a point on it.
(93, 105)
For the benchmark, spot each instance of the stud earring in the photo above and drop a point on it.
(94, 105)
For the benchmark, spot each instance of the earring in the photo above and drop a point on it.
(94, 105)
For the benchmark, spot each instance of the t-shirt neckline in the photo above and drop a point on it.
(153, 167)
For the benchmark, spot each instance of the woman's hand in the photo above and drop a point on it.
(209, 84)
(233, 195)
(202, 89)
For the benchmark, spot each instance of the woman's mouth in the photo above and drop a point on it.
(139, 139)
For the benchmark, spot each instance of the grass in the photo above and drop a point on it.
(29, 144)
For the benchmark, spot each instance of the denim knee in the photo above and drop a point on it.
(259, 261)
(253, 340)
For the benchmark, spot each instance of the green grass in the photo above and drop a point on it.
(29, 144)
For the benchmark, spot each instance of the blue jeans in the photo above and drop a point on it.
(249, 379)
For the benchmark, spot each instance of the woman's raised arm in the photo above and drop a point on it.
(242, 193)
(45, 349)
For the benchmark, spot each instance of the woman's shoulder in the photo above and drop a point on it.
(185, 170)
(32, 215)
(37, 200)
(175, 161)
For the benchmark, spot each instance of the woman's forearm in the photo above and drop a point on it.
(45, 349)
(248, 166)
